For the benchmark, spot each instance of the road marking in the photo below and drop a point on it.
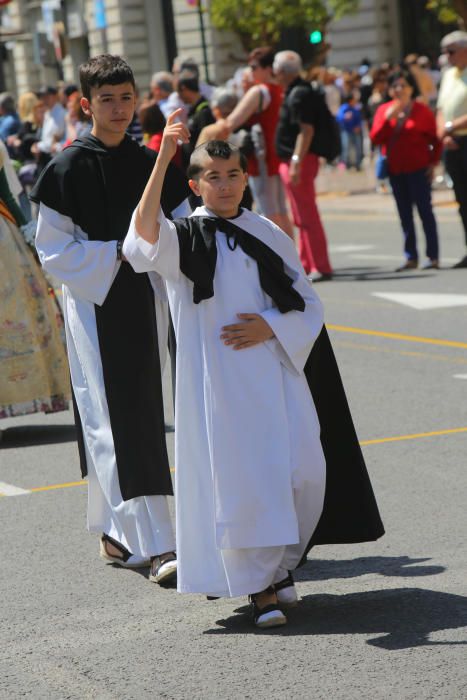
(414, 436)
(397, 336)
(383, 256)
(460, 376)
(374, 256)
(66, 485)
(10, 490)
(404, 353)
(422, 302)
(15, 491)
(349, 248)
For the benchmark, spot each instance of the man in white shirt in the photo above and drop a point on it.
(452, 121)
(53, 129)
(161, 89)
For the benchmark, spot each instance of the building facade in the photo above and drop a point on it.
(373, 33)
(45, 41)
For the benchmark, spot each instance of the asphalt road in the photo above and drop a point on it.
(381, 620)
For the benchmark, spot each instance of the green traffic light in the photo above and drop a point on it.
(316, 37)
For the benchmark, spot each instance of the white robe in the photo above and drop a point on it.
(250, 471)
(87, 269)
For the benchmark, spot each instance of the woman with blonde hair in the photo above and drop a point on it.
(27, 101)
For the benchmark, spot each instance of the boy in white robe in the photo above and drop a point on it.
(260, 480)
(87, 194)
(250, 470)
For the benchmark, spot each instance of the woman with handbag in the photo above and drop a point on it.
(406, 131)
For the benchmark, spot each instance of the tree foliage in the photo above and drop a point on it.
(260, 22)
(449, 11)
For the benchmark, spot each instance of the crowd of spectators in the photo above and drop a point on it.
(271, 108)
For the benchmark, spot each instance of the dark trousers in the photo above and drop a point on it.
(411, 189)
(456, 165)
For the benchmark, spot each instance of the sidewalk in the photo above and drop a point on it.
(356, 191)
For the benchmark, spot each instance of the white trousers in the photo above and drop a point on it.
(252, 570)
(142, 524)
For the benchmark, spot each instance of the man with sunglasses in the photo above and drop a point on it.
(452, 121)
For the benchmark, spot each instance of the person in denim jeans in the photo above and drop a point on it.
(349, 118)
(406, 131)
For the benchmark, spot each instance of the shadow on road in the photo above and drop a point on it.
(400, 618)
(373, 274)
(29, 435)
(324, 569)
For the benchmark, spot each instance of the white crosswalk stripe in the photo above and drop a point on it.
(10, 490)
(423, 302)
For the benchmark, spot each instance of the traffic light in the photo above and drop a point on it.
(316, 37)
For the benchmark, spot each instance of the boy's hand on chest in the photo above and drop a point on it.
(251, 330)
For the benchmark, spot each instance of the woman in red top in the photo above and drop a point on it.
(260, 105)
(406, 131)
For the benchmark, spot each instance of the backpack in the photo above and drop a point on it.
(327, 138)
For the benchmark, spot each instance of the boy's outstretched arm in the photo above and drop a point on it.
(146, 222)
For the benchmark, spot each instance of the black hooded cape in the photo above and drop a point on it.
(350, 513)
(99, 188)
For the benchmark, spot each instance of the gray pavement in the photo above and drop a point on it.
(379, 620)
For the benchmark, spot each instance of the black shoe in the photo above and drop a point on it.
(164, 568)
(461, 263)
(126, 558)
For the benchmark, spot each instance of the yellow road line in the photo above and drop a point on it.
(414, 436)
(398, 336)
(67, 485)
(405, 353)
(378, 441)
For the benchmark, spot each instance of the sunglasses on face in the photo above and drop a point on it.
(450, 52)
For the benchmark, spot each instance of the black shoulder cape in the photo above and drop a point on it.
(99, 188)
(350, 513)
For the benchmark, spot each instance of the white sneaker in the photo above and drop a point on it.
(286, 592)
(270, 618)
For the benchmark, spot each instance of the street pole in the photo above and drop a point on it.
(203, 40)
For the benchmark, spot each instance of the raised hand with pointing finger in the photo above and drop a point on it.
(175, 132)
(146, 214)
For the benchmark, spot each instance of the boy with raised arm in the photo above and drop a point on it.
(250, 469)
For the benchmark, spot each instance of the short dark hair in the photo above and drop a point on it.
(406, 75)
(214, 149)
(188, 80)
(104, 69)
(263, 56)
(151, 118)
(191, 65)
(70, 89)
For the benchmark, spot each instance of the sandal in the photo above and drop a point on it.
(286, 592)
(269, 615)
(127, 559)
(163, 568)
